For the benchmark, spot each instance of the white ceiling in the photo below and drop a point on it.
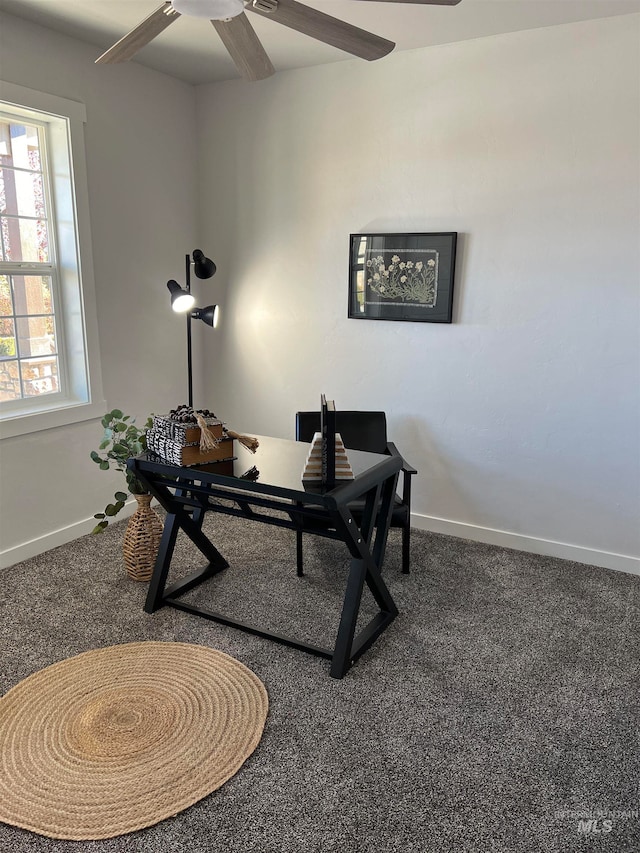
(190, 49)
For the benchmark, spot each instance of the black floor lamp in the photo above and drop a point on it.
(182, 301)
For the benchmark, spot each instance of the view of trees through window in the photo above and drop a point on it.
(29, 364)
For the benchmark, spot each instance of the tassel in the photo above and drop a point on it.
(250, 443)
(208, 441)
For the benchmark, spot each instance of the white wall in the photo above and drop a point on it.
(522, 417)
(141, 148)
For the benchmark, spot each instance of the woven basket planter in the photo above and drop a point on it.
(142, 540)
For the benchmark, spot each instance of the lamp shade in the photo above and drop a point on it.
(210, 315)
(215, 10)
(181, 301)
(202, 266)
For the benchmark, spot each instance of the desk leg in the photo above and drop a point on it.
(163, 561)
(193, 529)
(365, 567)
(341, 660)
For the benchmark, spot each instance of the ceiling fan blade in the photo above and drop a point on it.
(323, 27)
(245, 48)
(140, 36)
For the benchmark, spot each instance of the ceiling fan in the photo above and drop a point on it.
(240, 39)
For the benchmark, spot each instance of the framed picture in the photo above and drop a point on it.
(402, 276)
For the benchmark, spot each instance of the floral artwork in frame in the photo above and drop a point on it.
(402, 277)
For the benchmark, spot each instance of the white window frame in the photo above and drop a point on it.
(81, 397)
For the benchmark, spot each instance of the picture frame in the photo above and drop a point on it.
(402, 276)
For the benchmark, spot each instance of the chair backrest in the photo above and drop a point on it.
(359, 430)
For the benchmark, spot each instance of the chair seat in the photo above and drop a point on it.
(399, 515)
(399, 511)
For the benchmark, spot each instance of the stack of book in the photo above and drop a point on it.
(179, 443)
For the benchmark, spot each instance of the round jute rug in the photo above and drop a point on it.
(119, 738)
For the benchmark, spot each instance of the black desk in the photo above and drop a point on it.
(273, 493)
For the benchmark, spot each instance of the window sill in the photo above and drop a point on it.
(35, 421)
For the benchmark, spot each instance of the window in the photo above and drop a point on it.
(49, 360)
(29, 362)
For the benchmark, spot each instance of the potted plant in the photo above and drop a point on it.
(121, 440)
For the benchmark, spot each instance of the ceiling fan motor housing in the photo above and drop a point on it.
(265, 5)
(214, 10)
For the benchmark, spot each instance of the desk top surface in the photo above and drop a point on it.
(277, 465)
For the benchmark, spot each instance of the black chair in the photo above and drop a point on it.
(364, 431)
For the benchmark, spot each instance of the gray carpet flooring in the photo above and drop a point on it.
(499, 712)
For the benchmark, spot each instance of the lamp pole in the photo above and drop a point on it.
(182, 300)
(189, 358)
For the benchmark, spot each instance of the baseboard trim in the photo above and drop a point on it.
(26, 550)
(532, 544)
(462, 530)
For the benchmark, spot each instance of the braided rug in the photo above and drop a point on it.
(119, 738)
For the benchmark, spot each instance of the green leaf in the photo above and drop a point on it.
(121, 496)
(99, 515)
(100, 527)
(120, 449)
(120, 427)
(135, 486)
(95, 456)
(106, 421)
(105, 443)
(119, 506)
(116, 414)
(110, 510)
(104, 465)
